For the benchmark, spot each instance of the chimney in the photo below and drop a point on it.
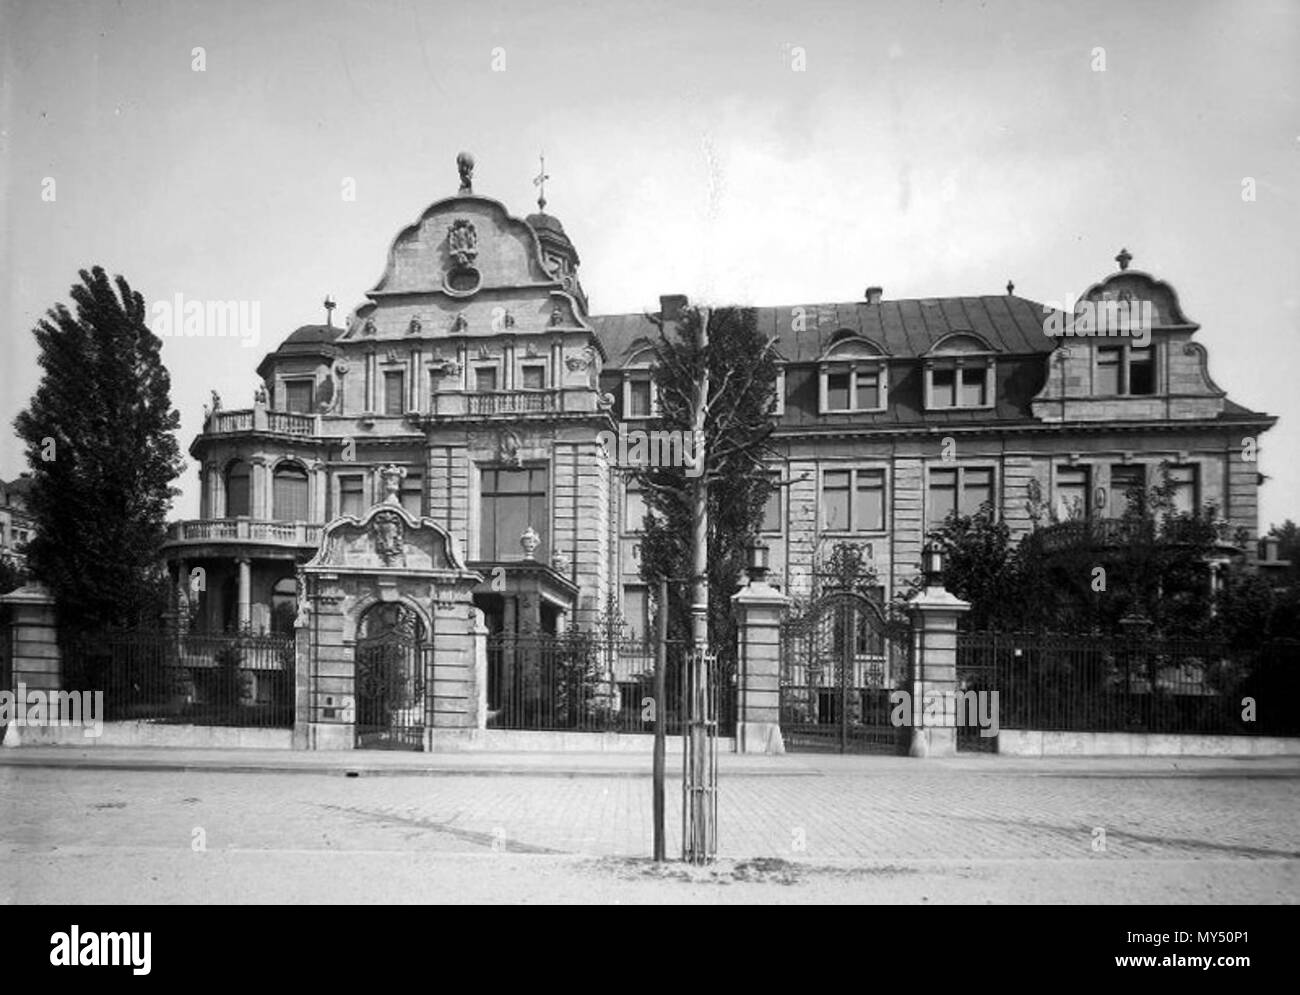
(873, 295)
(671, 306)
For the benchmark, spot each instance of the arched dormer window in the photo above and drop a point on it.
(239, 492)
(289, 493)
(854, 375)
(640, 399)
(960, 372)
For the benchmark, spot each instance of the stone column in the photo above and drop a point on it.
(758, 608)
(245, 592)
(36, 664)
(934, 614)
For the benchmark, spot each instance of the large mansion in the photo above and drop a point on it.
(475, 369)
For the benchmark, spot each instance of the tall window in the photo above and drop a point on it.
(961, 489)
(1183, 479)
(853, 500)
(289, 493)
(1125, 370)
(772, 519)
(636, 611)
(394, 392)
(512, 501)
(352, 498)
(639, 397)
(485, 379)
(1072, 492)
(1126, 482)
(411, 494)
(634, 509)
(297, 395)
(238, 491)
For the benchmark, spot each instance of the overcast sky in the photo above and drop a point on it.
(752, 153)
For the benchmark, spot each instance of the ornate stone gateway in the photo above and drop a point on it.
(392, 658)
(390, 646)
(839, 662)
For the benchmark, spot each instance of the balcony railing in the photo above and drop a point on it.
(285, 422)
(303, 534)
(513, 402)
(1112, 532)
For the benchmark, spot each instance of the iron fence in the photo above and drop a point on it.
(236, 679)
(1085, 683)
(583, 683)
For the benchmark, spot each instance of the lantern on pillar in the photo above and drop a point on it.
(932, 564)
(757, 553)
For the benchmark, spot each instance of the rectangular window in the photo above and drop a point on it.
(772, 520)
(534, 377)
(512, 501)
(868, 390)
(837, 391)
(297, 396)
(1072, 490)
(394, 392)
(973, 393)
(636, 611)
(976, 489)
(352, 496)
(485, 379)
(411, 494)
(1126, 480)
(1141, 371)
(1108, 367)
(943, 495)
(943, 389)
(853, 500)
(633, 508)
(1183, 479)
(638, 399)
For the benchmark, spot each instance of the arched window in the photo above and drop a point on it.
(238, 492)
(289, 493)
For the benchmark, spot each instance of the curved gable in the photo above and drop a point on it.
(1136, 285)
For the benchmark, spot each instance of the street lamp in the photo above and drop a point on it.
(932, 564)
(756, 567)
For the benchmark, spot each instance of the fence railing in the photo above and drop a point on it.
(585, 684)
(1083, 683)
(219, 680)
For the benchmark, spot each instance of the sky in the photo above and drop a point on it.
(750, 153)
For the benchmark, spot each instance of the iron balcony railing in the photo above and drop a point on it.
(1114, 532)
(304, 534)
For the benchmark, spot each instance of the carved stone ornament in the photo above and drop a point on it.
(462, 241)
(605, 401)
(259, 395)
(577, 364)
(530, 351)
(392, 476)
(391, 356)
(444, 368)
(414, 327)
(560, 562)
(369, 327)
(529, 540)
(483, 351)
(508, 448)
(459, 323)
(557, 316)
(387, 530)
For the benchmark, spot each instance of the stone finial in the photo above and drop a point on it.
(392, 476)
(465, 165)
(1124, 258)
(329, 311)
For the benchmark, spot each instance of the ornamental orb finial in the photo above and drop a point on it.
(465, 165)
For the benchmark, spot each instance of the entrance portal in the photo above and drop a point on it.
(391, 667)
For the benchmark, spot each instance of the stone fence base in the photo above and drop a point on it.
(1026, 743)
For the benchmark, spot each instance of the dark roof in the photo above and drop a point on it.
(19, 485)
(545, 222)
(903, 328)
(313, 335)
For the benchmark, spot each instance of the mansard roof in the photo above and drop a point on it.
(903, 328)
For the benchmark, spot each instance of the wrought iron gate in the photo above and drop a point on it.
(839, 662)
(391, 664)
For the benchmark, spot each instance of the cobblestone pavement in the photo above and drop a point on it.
(831, 829)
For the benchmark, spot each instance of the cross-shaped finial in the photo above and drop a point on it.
(539, 181)
(329, 311)
(1124, 258)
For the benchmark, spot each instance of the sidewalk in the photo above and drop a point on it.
(376, 763)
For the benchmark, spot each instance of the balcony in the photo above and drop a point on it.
(1109, 533)
(259, 419)
(513, 402)
(290, 535)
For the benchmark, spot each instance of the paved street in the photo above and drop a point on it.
(242, 826)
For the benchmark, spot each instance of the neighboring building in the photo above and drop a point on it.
(475, 366)
(16, 524)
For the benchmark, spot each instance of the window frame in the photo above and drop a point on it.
(853, 470)
(879, 366)
(1088, 492)
(535, 364)
(995, 488)
(386, 379)
(960, 364)
(779, 492)
(1123, 373)
(283, 395)
(479, 365)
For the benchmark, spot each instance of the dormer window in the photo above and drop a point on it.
(959, 373)
(640, 399)
(854, 376)
(1125, 370)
